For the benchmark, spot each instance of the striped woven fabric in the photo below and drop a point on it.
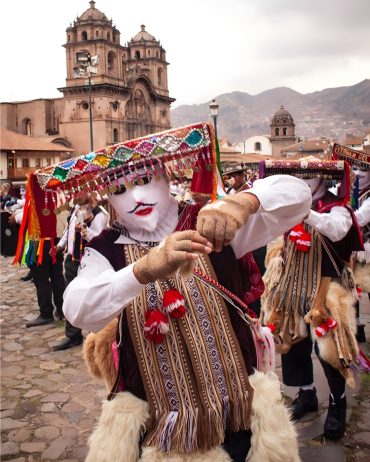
(195, 381)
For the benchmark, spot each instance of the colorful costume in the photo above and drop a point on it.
(187, 346)
(309, 281)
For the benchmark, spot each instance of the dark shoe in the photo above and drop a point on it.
(360, 335)
(27, 277)
(335, 423)
(306, 401)
(59, 316)
(67, 343)
(40, 321)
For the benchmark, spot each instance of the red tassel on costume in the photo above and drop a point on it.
(174, 304)
(156, 326)
(296, 232)
(272, 327)
(324, 328)
(303, 243)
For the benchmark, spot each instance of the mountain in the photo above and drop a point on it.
(332, 112)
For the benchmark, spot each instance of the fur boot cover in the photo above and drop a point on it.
(274, 438)
(116, 437)
(97, 351)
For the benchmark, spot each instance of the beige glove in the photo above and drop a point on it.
(220, 220)
(175, 252)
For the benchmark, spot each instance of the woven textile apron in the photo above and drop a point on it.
(195, 381)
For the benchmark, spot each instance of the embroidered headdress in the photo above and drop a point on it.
(52, 188)
(311, 167)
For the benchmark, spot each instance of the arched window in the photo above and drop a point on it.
(84, 35)
(115, 135)
(284, 131)
(277, 132)
(69, 38)
(108, 35)
(148, 52)
(111, 60)
(27, 127)
(159, 75)
(97, 33)
(137, 54)
(257, 146)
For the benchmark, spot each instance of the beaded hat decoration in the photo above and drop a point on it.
(51, 189)
(311, 167)
(362, 159)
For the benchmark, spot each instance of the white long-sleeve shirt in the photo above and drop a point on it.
(99, 222)
(99, 293)
(334, 225)
(363, 213)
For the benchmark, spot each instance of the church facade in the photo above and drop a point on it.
(123, 89)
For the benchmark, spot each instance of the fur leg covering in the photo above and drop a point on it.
(151, 454)
(274, 438)
(116, 438)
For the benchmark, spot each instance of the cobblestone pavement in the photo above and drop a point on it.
(49, 403)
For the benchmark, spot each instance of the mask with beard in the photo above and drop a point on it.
(317, 186)
(147, 211)
(363, 175)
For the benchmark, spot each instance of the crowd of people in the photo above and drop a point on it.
(167, 280)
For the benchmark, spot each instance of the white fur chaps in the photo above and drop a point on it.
(118, 431)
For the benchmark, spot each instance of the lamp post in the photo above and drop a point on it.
(86, 67)
(214, 113)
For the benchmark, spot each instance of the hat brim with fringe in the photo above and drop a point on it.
(50, 189)
(311, 168)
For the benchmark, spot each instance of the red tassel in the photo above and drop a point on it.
(156, 326)
(303, 243)
(272, 327)
(174, 304)
(296, 232)
(324, 328)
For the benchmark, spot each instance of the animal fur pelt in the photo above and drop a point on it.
(339, 346)
(274, 438)
(97, 351)
(150, 454)
(116, 437)
(362, 275)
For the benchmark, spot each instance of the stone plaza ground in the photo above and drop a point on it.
(49, 403)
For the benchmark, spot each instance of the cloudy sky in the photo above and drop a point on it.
(213, 46)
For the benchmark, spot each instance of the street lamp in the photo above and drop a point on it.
(86, 67)
(214, 113)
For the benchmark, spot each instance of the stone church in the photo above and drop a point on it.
(127, 95)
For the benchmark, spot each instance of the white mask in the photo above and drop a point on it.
(363, 176)
(317, 186)
(143, 207)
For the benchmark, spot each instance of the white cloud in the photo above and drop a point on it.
(213, 46)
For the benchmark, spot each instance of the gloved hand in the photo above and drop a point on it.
(176, 251)
(220, 220)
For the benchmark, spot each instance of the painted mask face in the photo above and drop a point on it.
(317, 186)
(144, 206)
(363, 175)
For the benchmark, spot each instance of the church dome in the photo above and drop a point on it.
(143, 35)
(92, 13)
(282, 117)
